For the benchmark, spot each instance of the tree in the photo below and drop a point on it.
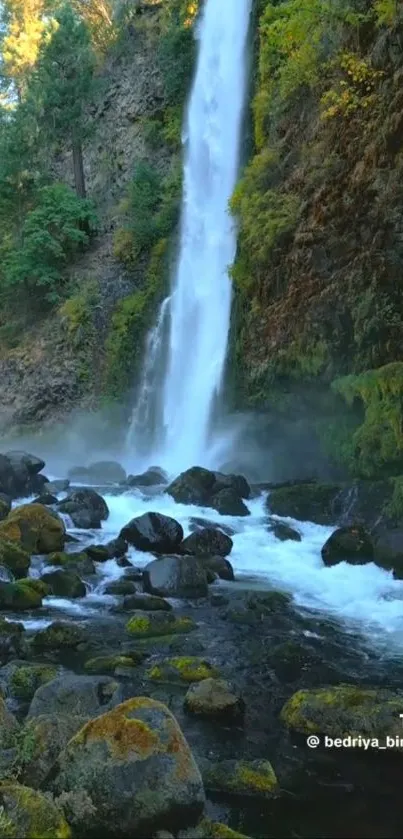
(24, 25)
(63, 84)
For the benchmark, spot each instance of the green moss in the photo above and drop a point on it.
(242, 778)
(108, 664)
(14, 557)
(31, 814)
(394, 507)
(139, 625)
(158, 623)
(19, 597)
(39, 586)
(183, 669)
(343, 710)
(25, 680)
(217, 830)
(377, 444)
(77, 310)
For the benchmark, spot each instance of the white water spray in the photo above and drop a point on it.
(200, 304)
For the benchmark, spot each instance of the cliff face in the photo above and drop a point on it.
(63, 361)
(317, 324)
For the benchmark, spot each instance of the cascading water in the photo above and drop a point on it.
(201, 296)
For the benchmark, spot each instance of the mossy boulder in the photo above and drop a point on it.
(121, 588)
(207, 542)
(214, 698)
(244, 778)
(283, 532)
(182, 669)
(14, 557)
(176, 576)
(59, 635)
(218, 566)
(35, 528)
(305, 502)
(137, 770)
(109, 663)
(228, 503)
(20, 596)
(4, 509)
(146, 603)
(80, 695)
(65, 584)
(77, 562)
(218, 830)
(86, 508)
(20, 679)
(26, 813)
(40, 741)
(158, 623)
(8, 727)
(12, 640)
(344, 710)
(350, 544)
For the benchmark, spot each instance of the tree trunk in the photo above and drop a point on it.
(79, 180)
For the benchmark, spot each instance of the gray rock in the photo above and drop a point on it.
(153, 532)
(84, 696)
(176, 576)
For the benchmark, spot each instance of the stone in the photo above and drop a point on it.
(228, 503)
(137, 770)
(305, 502)
(76, 695)
(214, 698)
(121, 587)
(343, 710)
(182, 669)
(20, 679)
(109, 663)
(46, 499)
(110, 550)
(176, 576)
(153, 532)
(8, 726)
(59, 635)
(27, 813)
(54, 487)
(32, 463)
(20, 596)
(65, 584)
(242, 778)
(207, 542)
(194, 486)
(152, 477)
(12, 640)
(153, 624)
(106, 472)
(78, 562)
(35, 528)
(284, 532)
(219, 566)
(86, 508)
(146, 602)
(237, 483)
(40, 741)
(14, 557)
(197, 523)
(350, 544)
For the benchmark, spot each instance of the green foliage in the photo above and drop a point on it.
(354, 90)
(377, 444)
(177, 49)
(130, 322)
(77, 310)
(386, 12)
(52, 233)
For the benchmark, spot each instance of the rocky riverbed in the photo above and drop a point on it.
(149, 689)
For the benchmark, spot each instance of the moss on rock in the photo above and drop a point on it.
(254, 778)
(182, 669)
(30, 814)
(158, 623)
(19, 596)
(8, 726)
(218, 830)
(14, 557)
(25, 679)
(39, 743)
(108, 664)
(59, 634)
(305, 502)
(214, 698)
(35, 528)
(344, 710)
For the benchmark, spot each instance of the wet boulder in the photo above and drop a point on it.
(34, 527)
(20, 679)
(153, 532)
(54, 487)
(343, 710)
(305, 502)
(155, 624)
(219, 566)
(242, 778)
(388, 548)
(76, 695)
(192, 487)
(207, 542)
(21, 596)
(111, 663)
(86, 508)
(26, 812)
(348, 544)
(223, 493)
(41, 740)
(5, 506)
(145, 602)
(59, 635)
(228, 503)
(64, 583)
(136, 768)
(46, 499)
(80, 563)
(176, 576)
(283, 532)
(152, 477)
(237, 483)
(115, 549)
(182, 669)
(13, 557)
(214, 698)
(121, 588)
(12, 640)
(19, 474)
(100, 472)
(8, 726)
(198, 523)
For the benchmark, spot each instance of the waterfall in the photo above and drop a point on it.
(200, 303)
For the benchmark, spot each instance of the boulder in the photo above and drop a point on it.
(20, 679)
(12, 640)
(242, 778)
(214, 698)
(65, 584)
(54, 487)
(176, 576)
(86, 508)
(152, 477)
(78, 562)
(237, 483)
(37, 529)
(137, 770)
(306, 502)
(219, 566)
(192, 487)
(284, 532)
(114, 549)
(388, 548)
(146, 603)
(121, 588)
(46, 499)
(27, 813)
(182, 669)
(41, 740)
(110, 663)
(4, 509)
(207, 542)
(198, 523)
(155, 624)
(85, 696)
(101, 472)
(8, 726)
(19, 474)
(343, 710)
(13, 556)
(59, 635)
(20, 596)
(228, 503)
(32, 463)
(153, 532)
(348, 544)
